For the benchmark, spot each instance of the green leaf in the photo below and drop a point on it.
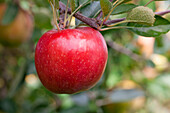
(161, 26)
(126, 1)
(89, 10)
(123, 8)
(73, 5)
(10, 14)
(106, 6)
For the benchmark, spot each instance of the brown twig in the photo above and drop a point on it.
(94, 22)
(125, 51)
(121, 19)
(162, 12)
(89, 21)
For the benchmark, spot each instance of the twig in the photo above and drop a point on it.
(99, 16)
(113, 21)
(118, 3)
(148, 3)
(101, 13)
(89, 21)
(122, 19)
(162, 12)
(125, 51)
(72, 13)
(95, 23)
(54, 13)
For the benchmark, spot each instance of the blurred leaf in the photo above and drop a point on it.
(106, 6)
(161, 26)
(1, 1)
(42, 20)
(122, 95)
(36, 34)
(76, 110)
(80, 99)
(41, 3)
(123, 8)
(31, 68)
(160, 87)
(116, 107)
(10, 14)
(150, 63)
(160, 0)
(8, 106)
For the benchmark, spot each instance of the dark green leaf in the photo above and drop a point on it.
(106, 6)
(161, 26)
(10, 14)
(123, 8)
(89, 10)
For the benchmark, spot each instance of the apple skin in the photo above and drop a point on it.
(71, 60)
(18, 31)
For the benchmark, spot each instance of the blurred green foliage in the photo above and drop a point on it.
(127, 86)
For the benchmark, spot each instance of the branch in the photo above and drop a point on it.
(125, 51)
(94, 23)
(89, 21)
(113, 21)
(162, 12)
(121, 19)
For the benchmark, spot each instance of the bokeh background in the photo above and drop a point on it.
(129, 84)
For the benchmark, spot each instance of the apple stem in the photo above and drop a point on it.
(53, 6)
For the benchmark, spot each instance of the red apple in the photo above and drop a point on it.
(18, 31)
(70, 60)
